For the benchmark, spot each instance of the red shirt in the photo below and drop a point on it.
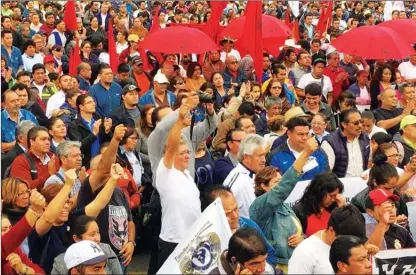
(47, 29)
(337, 87)
(316, 223)
(21, 169)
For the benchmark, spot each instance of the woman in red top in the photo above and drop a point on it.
(322, 195)
(13, 260)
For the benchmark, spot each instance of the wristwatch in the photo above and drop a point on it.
(133, 242)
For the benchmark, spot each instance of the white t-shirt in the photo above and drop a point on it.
(55, 102)
(407, 70)
(308, 78)
(180, 202)
(376, 129)
(233, 52)
(242, 186)
(311, 257)
(136, 164)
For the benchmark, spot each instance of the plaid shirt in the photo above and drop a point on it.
(8, 126)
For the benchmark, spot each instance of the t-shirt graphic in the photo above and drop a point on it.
(118, 226)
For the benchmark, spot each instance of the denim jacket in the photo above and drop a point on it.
(14, 61)
(275, 217)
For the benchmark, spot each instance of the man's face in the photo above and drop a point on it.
(131, 98)
(266, 62)
(308, 20)
(347, 58)
(402, 15)
(334, 60)
(362, 79)
(12, 103)
(123, 76)
(281, 75)
(248, 126)
(88, 106)
(358, 262)
(410, 132)
(292, 57)
(162, 87)
(25, 80)
(312, 101)
(377, 213)
(318, 69)
(298, 136)
(74, 158)
(229, 203)
(274, 110)
(7, 23)
(61, 26)
(358, 7)
(256, 161)
(8, 39)
(232, 63)
(167, 69)
(368, 125)
(234, 144)
(50, 19)
(354, 24)
(57, 53)
(305, 60)
(86, 72)
(335, 24)
(143, 5)
(107, 76)
(353, 127)
(315, 47)
(409, 93)
(65, 83)
(41, 144)
(39, 76)
(214, 56)
(104, 8)
(338, 12)
(91, 269)
(35, 19)
(389, 99)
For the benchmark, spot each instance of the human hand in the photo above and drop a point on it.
(384, 212)
(371, 249)
(311, 145)
(96, 126)
(108, 122)
(241, 270)
(184, 111)
(402, 220)
(210, 108)
(82, 174)
(37, 201)
(295, 240)
(70, 177)
(127, 252)
(192, 100)
(116, 171)
(119, 132)
(340, 200)
(8, 74)
(16, 263)
(52, 165)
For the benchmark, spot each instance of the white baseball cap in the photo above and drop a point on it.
(84, 252)
(161, 78)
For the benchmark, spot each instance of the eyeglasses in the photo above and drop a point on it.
(277, 87)
(234, 62)
(236, 140)
(133, 138)
(356, 123)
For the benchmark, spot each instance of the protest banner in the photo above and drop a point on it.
(199, 253)
(395, 261)
(352, 186)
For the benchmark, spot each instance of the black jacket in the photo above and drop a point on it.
(7, 159)
(79, 132)
(38, 112)
(122, 116)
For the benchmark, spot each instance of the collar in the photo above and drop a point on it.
(45, 160)
(291, 149)
(251, 173)
(321, 106)
(7, 115)
(21, 147)
(28, 56)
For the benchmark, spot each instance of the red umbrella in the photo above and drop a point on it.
(271, 28)
(373, 42)
(405, 27)
(179, 40)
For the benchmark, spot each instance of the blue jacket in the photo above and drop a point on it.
(14, 61)
(271, 252)
(229, 78)
(149, 98)
(107, 100)
(107, 20)
(354, 89)
(283, 159)
(279, 141)
(261, 125)
(275, 217)
(223, 167)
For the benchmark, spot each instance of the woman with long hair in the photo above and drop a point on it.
(57, 130)
(321, 197)
(275, 88)
(194, 78)
(219, 91)
(87, 55)
(383, 78)
(94, 31)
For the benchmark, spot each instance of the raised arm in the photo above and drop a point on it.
(55, 207)
(109, 157)
(103, 198)
(202, 130)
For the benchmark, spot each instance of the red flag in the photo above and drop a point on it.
(70, 16)
(75, 59)
(112, 51)
(252, 38)
(287, 18)
(325, 18)
(295, 31)
(155, 23)
(213, 27)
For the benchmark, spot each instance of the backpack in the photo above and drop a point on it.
(33, 169)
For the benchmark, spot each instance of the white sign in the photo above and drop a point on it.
(395, 261)
(200, 252)
(352, 186)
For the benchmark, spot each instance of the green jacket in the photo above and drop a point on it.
(275, 217)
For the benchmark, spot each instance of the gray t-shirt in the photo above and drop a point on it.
(135, 114)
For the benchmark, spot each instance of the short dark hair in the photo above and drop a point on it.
(123, 68)
(347, 220)
(277, 67)
(71, 93)
(81, 99)
(246, 244)
(22, 73)
(49, 14)
(345, 115)
(212, 192)
(246, 108)
(155, 115)
(20, 86)
(367, 115)
(53, 76)
(33, 133)
(229, 136)
(294, 122)
(38, 66)
(313, 89)
(104, 66)
(27, 44)
(316, 41)
(381, 138)
(5, 31)
(341, 249)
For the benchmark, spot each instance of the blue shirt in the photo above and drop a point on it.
(84, 85)
(106, 100)
(14, 61)
(95, 147)
(8, 126)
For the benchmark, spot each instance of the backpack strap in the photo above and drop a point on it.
(60, 177)
(33, 169)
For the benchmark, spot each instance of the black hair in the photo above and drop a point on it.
(20, 86)
(52, 121)
(71, 93)
(277, 67)
(27, 44)
(53, 76)
(246, 108)
(304, 45)
(348, 220)
(295, 122)
(346, 97)
(191, 69)
(316, 41)
(321, 185)
(123, 68)
(38, 66)
(206, 85)
(381, 172)
(229, 136)
(381, 138)
(367, 115)
(246, 244)
(341, 249)
(212, 192)
(81, 99)
(345, 116)
(129, 132)
(155, 115)
(379, 72)
(79, 226)
(313, 89)
(104, 66)
(22, 73)
(32, 134)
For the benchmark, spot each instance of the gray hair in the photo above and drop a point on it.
(250, 143)
(23, 128)
(272, 100)
(64, 148)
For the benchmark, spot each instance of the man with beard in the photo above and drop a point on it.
(348, 148)
(56, 101)
(212, 65)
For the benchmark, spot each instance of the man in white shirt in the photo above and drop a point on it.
(30, 57)
(369, 124)
(57, 36)
(35, 25)
(56, 101)
(348, 148)
(317, 76)
(408, 69)
(312, 255)
(227, 45)
(241, 179)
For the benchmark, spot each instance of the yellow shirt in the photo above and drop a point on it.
(413, 145)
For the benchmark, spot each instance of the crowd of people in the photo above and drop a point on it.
(100, 165)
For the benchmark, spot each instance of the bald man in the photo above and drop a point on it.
(233, 75)
(388, 116)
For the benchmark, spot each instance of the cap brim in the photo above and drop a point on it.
(96, 260)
